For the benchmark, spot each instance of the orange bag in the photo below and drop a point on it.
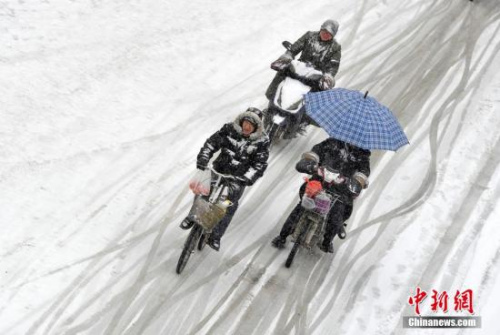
(313, 188)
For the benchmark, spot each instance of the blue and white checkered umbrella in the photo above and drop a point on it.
(349, 116)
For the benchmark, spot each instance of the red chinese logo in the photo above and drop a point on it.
(417, 299)
(462, 301)
(439, 301)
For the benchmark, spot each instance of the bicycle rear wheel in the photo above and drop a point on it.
(203, 241)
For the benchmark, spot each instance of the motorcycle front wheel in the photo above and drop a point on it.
(298, 242)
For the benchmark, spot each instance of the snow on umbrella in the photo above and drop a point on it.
(349, 116)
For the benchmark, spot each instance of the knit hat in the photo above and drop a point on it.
(330, 26)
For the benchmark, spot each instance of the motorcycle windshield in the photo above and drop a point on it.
(290, 95)
(305, 70)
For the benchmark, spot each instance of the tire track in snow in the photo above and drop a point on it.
(126, 180)
(301, 303)
(68, 295)
(462, 218)
(73, 289)
(41, 254)
(139, 282)
(366, 249)
(266, 192)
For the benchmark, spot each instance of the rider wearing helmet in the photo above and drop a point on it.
(320, 49)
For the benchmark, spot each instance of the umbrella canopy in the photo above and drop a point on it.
(355, 118)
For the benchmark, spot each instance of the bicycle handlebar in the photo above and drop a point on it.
(222, 174)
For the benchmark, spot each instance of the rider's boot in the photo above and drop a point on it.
(279, 242)
(326, 246)
(288, 227)
(187, 223)
(214, 243)
(342, 233)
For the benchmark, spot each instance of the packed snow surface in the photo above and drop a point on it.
(105, 104)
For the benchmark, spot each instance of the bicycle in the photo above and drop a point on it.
(206, 212)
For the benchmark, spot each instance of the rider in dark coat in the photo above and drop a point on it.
(353, 163)
(243, 155)
(320, 49)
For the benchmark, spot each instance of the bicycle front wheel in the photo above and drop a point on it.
(189, 245)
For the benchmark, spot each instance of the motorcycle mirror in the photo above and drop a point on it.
(287, 45)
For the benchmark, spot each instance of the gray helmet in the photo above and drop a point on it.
(330, 26)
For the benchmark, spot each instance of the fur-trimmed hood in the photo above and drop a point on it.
(258, 133)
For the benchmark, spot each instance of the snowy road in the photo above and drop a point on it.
(104, 106)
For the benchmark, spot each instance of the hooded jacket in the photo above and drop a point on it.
(240, 156)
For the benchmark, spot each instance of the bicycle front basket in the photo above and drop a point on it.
(207, 214)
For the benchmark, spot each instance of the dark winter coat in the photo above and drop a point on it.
(240, 156)
(347, 159)
(323, 55)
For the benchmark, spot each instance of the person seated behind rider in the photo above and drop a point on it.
(351, 162)
(320, 49)
(244, 150)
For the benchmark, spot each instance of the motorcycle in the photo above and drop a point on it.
(316, 203)
(206, 212)
(285, 116)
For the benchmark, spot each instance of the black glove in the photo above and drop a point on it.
(354, 186)
(326, 82)
(307, 166)
(281, 63)
(201, 166)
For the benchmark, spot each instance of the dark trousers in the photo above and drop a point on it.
(235, 191)
(334, 221)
